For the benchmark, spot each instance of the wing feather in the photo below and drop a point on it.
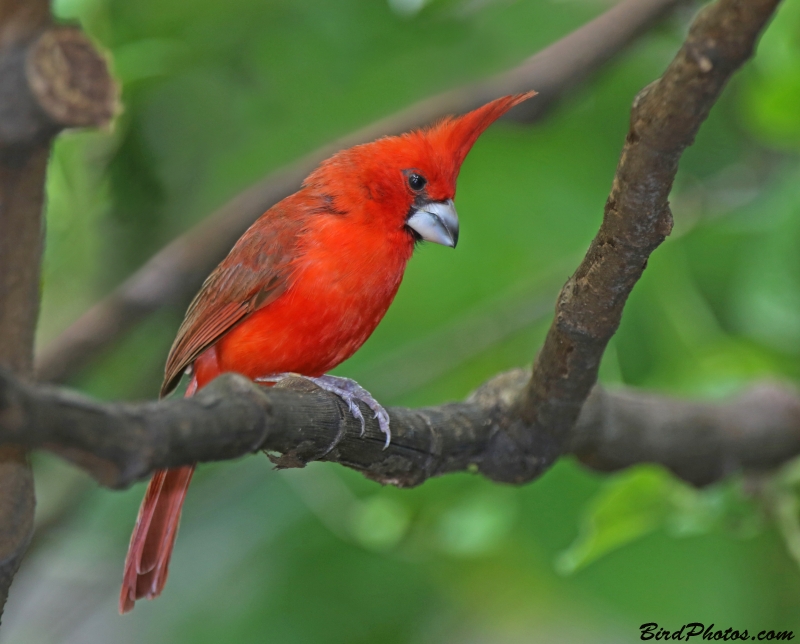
(256, 272)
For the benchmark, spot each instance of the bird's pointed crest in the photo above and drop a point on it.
(456, 135)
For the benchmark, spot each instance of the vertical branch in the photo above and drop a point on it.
(50, 78)
(665, 118)
(22, 174)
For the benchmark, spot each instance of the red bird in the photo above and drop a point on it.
(304, 287)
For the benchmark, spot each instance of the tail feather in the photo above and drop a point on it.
(164, 526)
(147, 563)
(144, 520)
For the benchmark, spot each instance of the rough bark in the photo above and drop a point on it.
(121, 443)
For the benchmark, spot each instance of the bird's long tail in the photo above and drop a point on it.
(147, 563)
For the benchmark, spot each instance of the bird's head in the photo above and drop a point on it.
(407, 183)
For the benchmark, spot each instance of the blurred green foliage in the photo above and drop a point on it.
(218, 94)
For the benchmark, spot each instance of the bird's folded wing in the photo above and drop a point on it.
(256, 272)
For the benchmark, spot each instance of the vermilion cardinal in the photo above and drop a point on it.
(305, 286)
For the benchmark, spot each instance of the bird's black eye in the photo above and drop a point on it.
(416, 181)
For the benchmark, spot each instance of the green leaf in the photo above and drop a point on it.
(784, 493)
(629, 506)
(644, 499)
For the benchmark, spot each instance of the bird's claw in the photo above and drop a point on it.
(350, 392)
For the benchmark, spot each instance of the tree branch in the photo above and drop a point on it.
(50, 78)
(665, 118)
(701, 442)
(120, 443)
(175, 273)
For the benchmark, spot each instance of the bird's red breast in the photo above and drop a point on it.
(342, 281)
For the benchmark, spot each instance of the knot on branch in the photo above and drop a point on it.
(52, 81)
(518, 450)
(70, 79)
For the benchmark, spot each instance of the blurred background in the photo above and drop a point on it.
(216, 95)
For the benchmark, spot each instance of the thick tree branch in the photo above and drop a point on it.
(701, 442)
(175, 273)
(120, 443)
(665, 118)
(50, 78)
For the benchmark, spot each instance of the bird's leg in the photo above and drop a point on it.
(349, 391)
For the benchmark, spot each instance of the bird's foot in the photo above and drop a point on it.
(349, 391)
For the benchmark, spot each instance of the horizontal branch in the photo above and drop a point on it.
(175, 273)
(120, 443)
(701, 442)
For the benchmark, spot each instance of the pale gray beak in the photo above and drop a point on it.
(436, 222)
